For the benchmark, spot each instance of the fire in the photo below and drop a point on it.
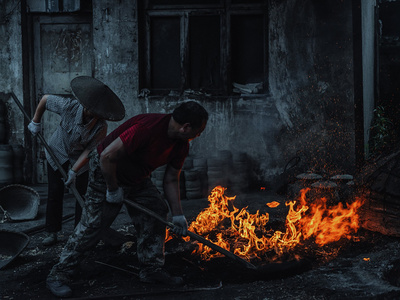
(273, 204)
(245, 234)
(329, 225)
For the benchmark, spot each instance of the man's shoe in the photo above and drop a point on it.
(58, 288)
(159, 275)
(50, 240)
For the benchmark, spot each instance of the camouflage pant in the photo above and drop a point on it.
(98, 214)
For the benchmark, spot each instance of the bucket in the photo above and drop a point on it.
(11, 245)
(21, 202)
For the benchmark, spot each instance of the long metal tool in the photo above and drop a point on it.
(192, 235)
(60, 168)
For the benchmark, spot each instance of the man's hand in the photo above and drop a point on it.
(34, 127)
(116, 196)
(181, 226)
(71, 178)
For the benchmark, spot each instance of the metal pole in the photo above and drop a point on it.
(60, 168)
(192, 235)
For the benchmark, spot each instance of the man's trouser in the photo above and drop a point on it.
(99, 214)
(56, 189)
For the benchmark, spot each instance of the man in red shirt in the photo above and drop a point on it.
(121, 168)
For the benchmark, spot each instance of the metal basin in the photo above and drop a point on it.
(11, 245)
(20, 202)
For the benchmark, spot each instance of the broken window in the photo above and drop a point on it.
(206, 45)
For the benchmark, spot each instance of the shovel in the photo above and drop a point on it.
(60, 168)
(192, 235)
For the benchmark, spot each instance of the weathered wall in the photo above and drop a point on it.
(11, 67)
(309, 108)
(312, 81)
(115, 50)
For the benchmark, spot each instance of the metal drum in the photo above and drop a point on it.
(20, 202)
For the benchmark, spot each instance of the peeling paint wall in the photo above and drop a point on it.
(11, 67)
(311, 79)
(115, 51)
(309, 110)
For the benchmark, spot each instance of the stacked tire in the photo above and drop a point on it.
(215, 173)
(240, 175)
(220, 169)
(200, 164)
(158, 178)
(193, 185)
(193, 178)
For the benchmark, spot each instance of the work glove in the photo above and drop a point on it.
(71, 178)
(181, 226)
(34, 127)
(116, 196)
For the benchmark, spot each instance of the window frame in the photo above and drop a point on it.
(225, 9)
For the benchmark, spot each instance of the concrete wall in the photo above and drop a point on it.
(308, 112)
(116, 50)
(312, 81)
(11, 67)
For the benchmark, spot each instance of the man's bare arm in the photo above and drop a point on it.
(108, 162)
(171, 190)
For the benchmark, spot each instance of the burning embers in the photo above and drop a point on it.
(247, 236)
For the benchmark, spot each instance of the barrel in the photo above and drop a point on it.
(6, 164)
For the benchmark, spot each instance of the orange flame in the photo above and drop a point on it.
(273, 204)
(329, 225)
(246, 235)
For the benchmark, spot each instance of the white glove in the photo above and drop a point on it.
(34, 127)
(116, 196)
(181, 226)
(71, 178)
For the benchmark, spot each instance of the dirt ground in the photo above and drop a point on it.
(366, 267)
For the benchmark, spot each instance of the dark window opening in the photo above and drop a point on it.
(203, 45)
(247, 49)
(165, 53)
(204, 57)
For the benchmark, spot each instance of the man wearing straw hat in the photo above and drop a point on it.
(83, 125)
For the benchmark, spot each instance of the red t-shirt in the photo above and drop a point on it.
(146, 141)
